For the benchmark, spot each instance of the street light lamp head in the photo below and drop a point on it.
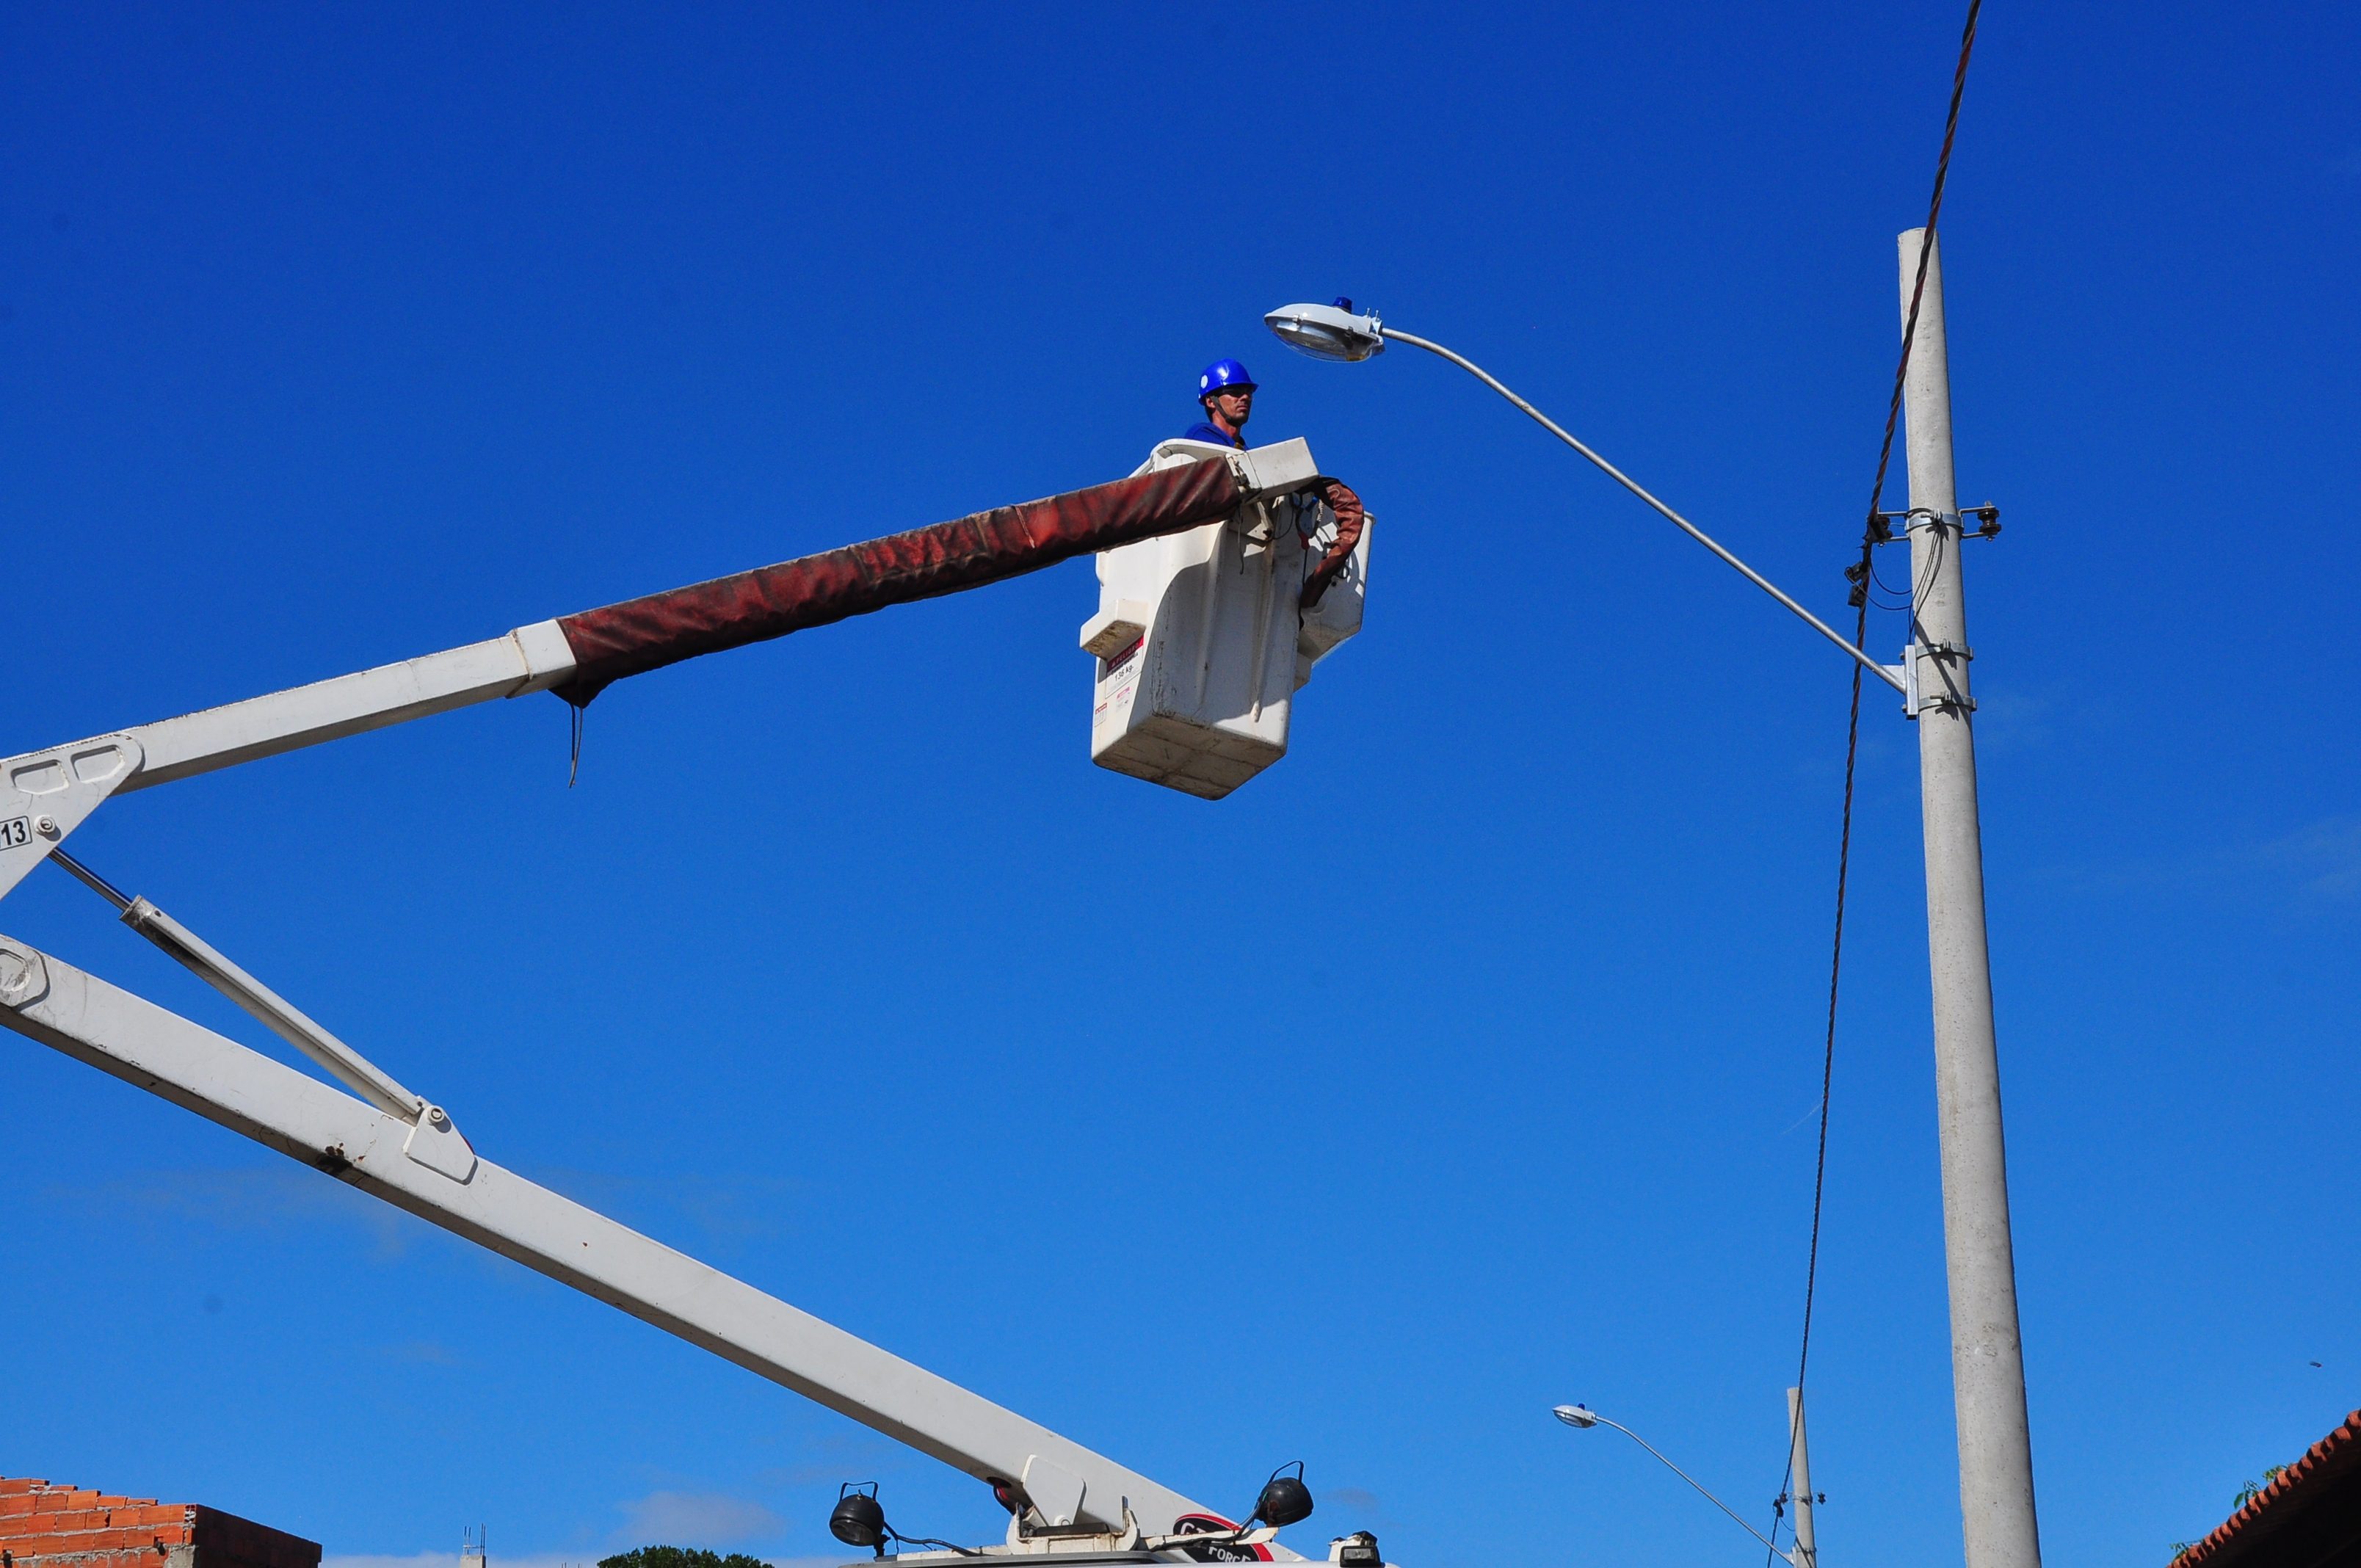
(1328, 332)
(1576, 1415)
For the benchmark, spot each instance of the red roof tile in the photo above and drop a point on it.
(2309, 1516)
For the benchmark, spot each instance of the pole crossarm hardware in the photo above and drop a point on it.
(1677, 521)
(1923, 653)
(396, 1145)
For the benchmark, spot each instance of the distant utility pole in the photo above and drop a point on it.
(1987, 1360)
(1799, 1458)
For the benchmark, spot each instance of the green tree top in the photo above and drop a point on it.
(679, 1557)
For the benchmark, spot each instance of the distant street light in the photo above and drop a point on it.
(1583, 1416)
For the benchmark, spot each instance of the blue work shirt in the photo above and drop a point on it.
(1206, 430)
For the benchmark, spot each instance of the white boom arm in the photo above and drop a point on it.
(223, 1081)
(46, 794)
(398, 1146)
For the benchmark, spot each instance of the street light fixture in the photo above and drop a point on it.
(1987, 1351)
(1337, 332)
(1328, 332)
(1584, 1417)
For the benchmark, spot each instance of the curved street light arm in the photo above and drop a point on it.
(1683, 524)
(1667, 1463)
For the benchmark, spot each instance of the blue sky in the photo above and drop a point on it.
(1463, 1063)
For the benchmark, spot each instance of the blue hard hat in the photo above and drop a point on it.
(1223, 373)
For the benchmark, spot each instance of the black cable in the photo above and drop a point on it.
(1870, 538)
(930, 1541)
(1925, 253)
(1877, 580)
(1829, 1056)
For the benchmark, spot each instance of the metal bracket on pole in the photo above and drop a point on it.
(1905, 675)
(1917, 696)
(1916, 699)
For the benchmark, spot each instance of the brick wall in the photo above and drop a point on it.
(42, 1526)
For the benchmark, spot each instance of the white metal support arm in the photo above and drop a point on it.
(1677, 521)
(50, 1000)
(434, 1142)
(44, 795)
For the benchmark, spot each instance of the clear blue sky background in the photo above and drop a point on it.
(1462, 1064)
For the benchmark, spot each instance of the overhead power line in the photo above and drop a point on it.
(1873, 531)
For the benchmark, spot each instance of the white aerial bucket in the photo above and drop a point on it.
(1200, 640)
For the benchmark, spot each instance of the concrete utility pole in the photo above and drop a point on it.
(1987, 1360)
(1808, 1544)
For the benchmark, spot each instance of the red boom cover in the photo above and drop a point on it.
(728, 613)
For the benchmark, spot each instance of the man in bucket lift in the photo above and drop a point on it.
(1227, 393)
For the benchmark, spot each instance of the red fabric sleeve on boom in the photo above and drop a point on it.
(648, 633)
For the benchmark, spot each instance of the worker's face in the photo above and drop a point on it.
(1231, 405)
